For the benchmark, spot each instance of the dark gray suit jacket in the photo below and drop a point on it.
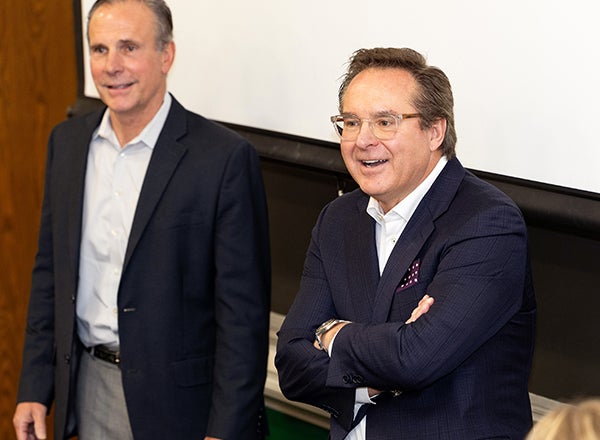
(463, 367)
(194, 293)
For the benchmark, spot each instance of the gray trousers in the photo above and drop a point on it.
(101, 410)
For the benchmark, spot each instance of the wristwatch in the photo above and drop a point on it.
(324, 328)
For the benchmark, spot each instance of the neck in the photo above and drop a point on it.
(129, 125)
(126, 130)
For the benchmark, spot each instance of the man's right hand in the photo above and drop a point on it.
(30, 421)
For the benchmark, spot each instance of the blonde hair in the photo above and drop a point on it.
(570, 422)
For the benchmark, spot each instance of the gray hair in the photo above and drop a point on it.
(162, 13)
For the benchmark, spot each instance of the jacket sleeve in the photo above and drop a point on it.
(37, 375)
(242, 299)
(302, 369)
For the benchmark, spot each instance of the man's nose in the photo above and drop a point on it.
(365, 136)
(114, 62)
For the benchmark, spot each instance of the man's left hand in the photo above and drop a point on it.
(422, 308)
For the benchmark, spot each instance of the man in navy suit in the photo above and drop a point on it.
(364, 339)
(149, 309)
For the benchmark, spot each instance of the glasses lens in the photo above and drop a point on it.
(384, 127)
(338, 125)
(346, 127)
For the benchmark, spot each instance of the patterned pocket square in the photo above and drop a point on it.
(410, 277)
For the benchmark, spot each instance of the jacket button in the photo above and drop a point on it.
(67, 359)
(346, 379)
(357, 379)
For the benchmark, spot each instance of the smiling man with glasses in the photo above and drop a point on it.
(364, 339)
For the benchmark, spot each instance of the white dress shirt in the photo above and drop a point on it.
(388, 228)
(113, 183)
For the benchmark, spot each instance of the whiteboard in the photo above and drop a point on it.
(525, 73)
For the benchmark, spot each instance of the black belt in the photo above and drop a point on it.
(105, 354)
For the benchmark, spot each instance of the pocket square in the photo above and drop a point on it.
(410, 277)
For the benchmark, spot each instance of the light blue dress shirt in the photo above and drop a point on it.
(113, 182)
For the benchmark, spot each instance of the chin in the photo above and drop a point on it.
(370, 191)
(118, 107)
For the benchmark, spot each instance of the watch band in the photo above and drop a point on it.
(324, 328)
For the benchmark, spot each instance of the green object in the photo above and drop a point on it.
(284, 427)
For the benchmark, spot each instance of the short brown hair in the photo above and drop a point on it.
(434, 98)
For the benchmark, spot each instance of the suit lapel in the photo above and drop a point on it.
(165, 158)
(361, 252)
(417, 231)
(75, 175)
(405, 251)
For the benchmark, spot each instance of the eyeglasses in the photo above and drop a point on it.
(383, 127)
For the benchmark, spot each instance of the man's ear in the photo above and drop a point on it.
(168, 56)
(437, 133)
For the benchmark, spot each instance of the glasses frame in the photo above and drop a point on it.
(398, 117)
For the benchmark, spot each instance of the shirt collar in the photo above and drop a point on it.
(407, 206)
(148, 136)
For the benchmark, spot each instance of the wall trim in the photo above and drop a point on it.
(550, 206)
(563, 209)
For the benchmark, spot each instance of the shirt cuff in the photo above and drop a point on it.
(361, 395)
(330, 348)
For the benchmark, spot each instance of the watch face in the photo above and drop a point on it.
(323, 327)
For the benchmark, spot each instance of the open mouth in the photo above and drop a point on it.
(118, 86)
(373, 163)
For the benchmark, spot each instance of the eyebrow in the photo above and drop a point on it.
(124, 42)
(128, 42)
(97, 46)
(373, 115)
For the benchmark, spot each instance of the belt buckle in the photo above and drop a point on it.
(105, 354)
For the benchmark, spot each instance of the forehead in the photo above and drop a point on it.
(122, 20)
(379, 90)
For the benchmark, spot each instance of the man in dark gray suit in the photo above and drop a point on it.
(149, 307)
(419, 227)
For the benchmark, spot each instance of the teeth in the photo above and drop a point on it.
(373, 162)
(121, 86)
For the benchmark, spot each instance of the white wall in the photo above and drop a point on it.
(524, 72)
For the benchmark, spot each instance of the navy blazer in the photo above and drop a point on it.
(463, 367)
(194, 293)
